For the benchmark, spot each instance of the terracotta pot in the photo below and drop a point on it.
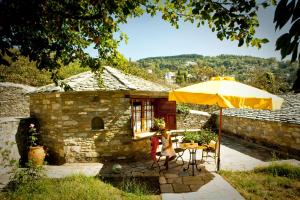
(36, 155)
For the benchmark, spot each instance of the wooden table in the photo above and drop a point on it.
(192, 147)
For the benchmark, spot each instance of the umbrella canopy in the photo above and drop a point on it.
(226, 93)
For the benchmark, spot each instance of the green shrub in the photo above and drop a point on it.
(27, 175)
(201, 137)
(182, 109)
(25, 72)
(191, 136)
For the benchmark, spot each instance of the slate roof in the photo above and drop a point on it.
(289, 112)
(113, 80)
(26, 88)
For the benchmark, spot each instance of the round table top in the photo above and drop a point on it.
(191, 146)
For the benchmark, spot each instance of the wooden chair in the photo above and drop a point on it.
(211, 151)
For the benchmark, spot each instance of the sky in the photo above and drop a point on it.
(152, 36)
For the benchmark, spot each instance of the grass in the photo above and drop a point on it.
(277, 181)
(76, 187)
(139, 186)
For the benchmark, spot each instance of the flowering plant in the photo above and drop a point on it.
(33, 135)
(159, 123)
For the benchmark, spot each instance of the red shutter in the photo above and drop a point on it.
(167, 110)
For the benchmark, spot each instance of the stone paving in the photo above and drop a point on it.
(176, 183)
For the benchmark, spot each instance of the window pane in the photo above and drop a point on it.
(142, 115)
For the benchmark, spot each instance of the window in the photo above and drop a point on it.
(97, 123)
(144, 110)
(142, 115)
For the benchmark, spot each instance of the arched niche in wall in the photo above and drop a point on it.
(97, 123)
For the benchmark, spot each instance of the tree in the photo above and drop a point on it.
(288, 43)
(266, 80)
(54, 33)
(205, 73)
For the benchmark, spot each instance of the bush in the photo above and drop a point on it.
(201, 137)
(26, 175)
(191, 136)
(182, 109)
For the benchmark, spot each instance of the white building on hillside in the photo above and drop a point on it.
(170, 77)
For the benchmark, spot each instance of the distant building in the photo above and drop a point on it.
(190, 76)
(149, 71)
(190, 63)
(170, 77)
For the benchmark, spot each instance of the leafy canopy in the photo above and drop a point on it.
(54, 33)
(288, 43)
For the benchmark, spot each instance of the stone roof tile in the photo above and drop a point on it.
(289, 112)
(113, 80)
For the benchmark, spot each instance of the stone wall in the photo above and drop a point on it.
(8, 130)
(65, 120)
(14, 100)
(279, 135)
(194, 120)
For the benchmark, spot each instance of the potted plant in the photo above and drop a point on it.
(208, 136)
(36, 153)
(201, 137)
(191, 137)
(158, 124)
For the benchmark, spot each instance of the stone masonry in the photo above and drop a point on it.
(284, 136)
(14, 101)
(65, 120)
(8, 130)
(193, 120)
(14, 105)
(280, 128)
(66, 117)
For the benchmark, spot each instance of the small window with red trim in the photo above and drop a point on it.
(142, 115)
(144, 110)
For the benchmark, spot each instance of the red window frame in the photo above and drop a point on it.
(145, 110)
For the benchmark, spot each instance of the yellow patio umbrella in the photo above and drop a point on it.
(226, 93)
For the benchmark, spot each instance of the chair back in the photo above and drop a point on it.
(212, 144)
(154, 146)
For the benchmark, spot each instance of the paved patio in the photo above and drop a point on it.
(176, 183)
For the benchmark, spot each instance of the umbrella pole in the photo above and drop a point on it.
(219, 140)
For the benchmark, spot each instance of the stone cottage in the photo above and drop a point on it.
(96, 122)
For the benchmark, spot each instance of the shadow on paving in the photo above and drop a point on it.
(253, 150)
(173, 180)
(177, 180)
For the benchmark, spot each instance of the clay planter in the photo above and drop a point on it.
(36, 155)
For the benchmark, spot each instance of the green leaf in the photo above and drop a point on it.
(283, 13)
(282, 41)
(265, 40)
(295, 29)
(295, 53)
(296, 12)
(241, 42)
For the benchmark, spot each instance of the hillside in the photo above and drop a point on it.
(269, 74)
(243, 68)
(23, 71)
